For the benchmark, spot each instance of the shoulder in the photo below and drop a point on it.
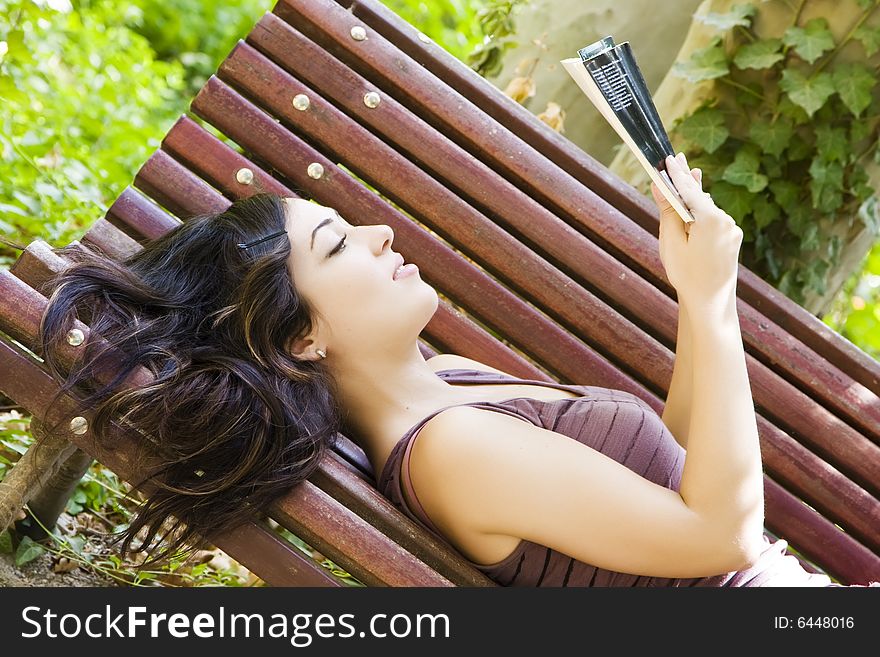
(453, 361)
(461, 454)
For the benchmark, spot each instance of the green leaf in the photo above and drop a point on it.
(832, 143)
(705, 128)
(765, 211)
(810, 238)
(854, 82)
(759, 54)
(5, 542)
(772, 137)
(799, 149)
(772, 166)
(826, 185)
(870, 38)
(811, 40)
(704, 64)
(785, 193)
(738, 15)
(27, 551)
(857, 183)
(744, 170)
(798, 218)
(794, 112)
(733, 199)
(858, 130)
(809, 93)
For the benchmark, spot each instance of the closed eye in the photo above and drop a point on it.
(339, 246)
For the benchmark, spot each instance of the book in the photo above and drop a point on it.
(609, 76)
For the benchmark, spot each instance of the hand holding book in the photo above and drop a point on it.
(611, 79)
(703, 264)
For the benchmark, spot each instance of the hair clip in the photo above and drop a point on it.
(247, 245)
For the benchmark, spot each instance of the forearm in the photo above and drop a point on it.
(677, 410)
(722, 479)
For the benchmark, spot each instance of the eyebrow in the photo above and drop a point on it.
(322, 223)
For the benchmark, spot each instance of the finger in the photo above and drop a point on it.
(672, 229)
(687, 186)
(659, 199)
(697, 173)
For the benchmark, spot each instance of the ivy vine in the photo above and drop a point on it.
(786, 148)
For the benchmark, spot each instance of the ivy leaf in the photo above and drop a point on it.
(5, 542)
(810, 238)
(832, 143)
(772, 137)
(705, 128)
(785, 192)
(811, 40)
(765, 211)
(858, 130)
(759, 54)
(27, 550)
(744, 170)
(854, 82)
(733, 199)
(809, 93)
(870, 38)
(857, 182)
(798, 218)
(794, 112)
(772, 166)
(738, 15)
(826, 185)
(705, 63)
(798, 149)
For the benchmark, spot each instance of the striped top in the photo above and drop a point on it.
(623, 427)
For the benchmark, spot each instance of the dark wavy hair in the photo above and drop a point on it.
(236, 419)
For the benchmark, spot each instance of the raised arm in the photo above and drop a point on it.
(476, 471)
(677, 410)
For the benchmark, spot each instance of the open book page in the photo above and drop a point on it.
(609, 76)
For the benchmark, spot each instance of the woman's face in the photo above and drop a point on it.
(360, 307)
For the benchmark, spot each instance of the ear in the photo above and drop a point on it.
(303, 348)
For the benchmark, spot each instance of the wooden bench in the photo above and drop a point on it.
(547, 266)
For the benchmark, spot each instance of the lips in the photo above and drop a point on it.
(397, 264)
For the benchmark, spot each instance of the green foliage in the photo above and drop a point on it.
(495, 20)
(85, 99)
(454, 24)
(785, 143)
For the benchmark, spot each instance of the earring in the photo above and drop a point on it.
(322, 353)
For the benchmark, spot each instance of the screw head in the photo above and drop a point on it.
(358, 33)
(372, 99)
(79, 425)
(245, 176)
(75, 337)
(315, 170)
(301, 102)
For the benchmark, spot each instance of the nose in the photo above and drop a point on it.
(386, 237)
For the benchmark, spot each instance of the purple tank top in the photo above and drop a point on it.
(623, 427)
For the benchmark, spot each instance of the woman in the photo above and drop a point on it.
(276, 323)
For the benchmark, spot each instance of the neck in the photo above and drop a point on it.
(382, 398)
